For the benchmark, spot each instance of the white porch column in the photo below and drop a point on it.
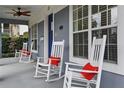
(0, 41)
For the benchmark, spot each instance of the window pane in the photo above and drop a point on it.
(80, 13)
(102, 7)
(81, 50)
(96, 20)
(75, 15)
(75, 26)
(81, 38)
(6, 26)
(113, 36)
(85, 37)
(76, 39)
(86, 51)
(113, 53)
(79, 25)
(109, 17)
(75, 7)
(75, 50)
(114, 16)
(105, 32)
(34, 31)
(111, 6)
(95, 33)
(104, 19)
(106, 53)
(85, 23)
(85, 10)
(94, 9)
(34, 44)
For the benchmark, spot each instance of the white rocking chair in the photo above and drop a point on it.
(73, 76)
(25, 54)
(18, 53)
(48, 69)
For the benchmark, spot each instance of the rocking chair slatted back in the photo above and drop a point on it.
(97, 55)
(97, 51)
(26, 54)
(25, 46)
(57, 49)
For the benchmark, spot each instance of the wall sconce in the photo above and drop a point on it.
(61, 27)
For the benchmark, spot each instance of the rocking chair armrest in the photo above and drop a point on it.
(40, 57)
(54, 59)
(73, 64)
(80, 70)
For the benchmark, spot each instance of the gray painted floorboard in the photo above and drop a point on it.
(20, 75)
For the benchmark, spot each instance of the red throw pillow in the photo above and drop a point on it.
(86, 75)
(54, 60)
(25, 52)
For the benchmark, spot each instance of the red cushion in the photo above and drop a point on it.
(25, 52)
(54, 60)
(86, 75)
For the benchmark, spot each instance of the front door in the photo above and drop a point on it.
(50, 33)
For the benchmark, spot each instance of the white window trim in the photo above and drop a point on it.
(35, 51)
(110, 67)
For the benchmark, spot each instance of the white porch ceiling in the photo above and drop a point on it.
(7, 8)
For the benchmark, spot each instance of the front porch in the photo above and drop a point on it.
(55, 23)
(19, 75)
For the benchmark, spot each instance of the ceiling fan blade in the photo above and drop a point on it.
(26, 12)
(10, 12)
(14, 10)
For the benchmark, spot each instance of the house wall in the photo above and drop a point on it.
(62, 20)
(112, 75)
(0, 44)
(116, 79)
(41, 39)
(111, 80)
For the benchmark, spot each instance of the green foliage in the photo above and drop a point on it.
(25, 35)
(10, 44)
(5, 35)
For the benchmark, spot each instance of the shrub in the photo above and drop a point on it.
(10, 44)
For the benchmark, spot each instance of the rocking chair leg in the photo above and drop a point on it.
(36, 70)
(64, 85)
(48, 74)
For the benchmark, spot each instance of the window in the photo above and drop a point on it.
(103, 20)
(34, 37)
(111, 43)
(80, 31)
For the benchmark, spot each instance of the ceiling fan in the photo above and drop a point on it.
(18, 12)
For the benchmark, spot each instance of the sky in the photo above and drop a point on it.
(23, 28)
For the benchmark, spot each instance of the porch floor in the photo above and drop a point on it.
(20, 75)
